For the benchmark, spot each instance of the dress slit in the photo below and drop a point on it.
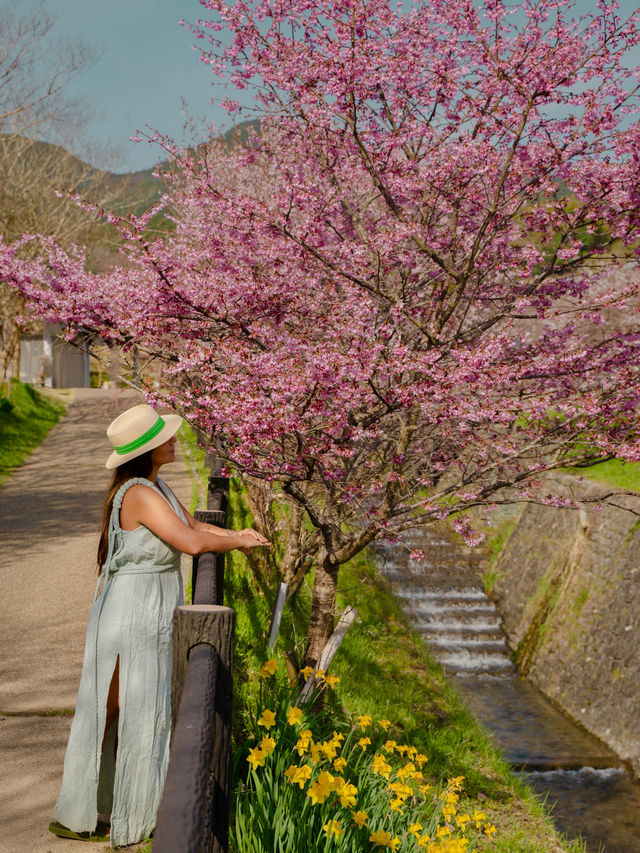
(112, 696)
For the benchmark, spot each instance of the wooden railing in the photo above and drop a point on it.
(193, 816)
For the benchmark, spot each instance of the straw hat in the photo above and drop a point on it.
(137, 430)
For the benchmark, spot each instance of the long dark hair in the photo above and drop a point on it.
(140, 466)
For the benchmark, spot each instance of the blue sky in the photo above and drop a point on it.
(145, 65)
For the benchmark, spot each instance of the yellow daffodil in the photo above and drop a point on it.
(364, 721)
(380, 766)
(256, 757)
(381, 837)
(401, 749)
(424, 789)
(448, 811)
(462, 820)
(490, 830)
(423, 841)
(364, 742)
(406, 771)
(338, 782)
(415, 829)
(320, 674)
(267, 744)
(347, 794)
(339, 764)
(389, 745)
(267, 719)
(294, 716)
(396, 805)
(316, 752)
(478, 818)
(394, 843)
(337, 736)
(332, 827)
(298, 775)
(268, 669)
(331, 680)
(420, 759)
(304, 742)
(306, 671)
(360, 818)
(321, 788)
(384, 724)
(401, 790)
(443, 832)
(330, 748)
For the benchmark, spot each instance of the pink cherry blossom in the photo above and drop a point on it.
(415, 288)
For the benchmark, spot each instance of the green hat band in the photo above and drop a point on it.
(144, 438)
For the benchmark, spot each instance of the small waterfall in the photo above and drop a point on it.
(448, 607)
(462, 627)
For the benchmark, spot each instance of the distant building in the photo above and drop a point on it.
(45, 359)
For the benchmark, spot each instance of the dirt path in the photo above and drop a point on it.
(50, 511)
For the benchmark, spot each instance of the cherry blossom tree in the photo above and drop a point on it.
(412, 290)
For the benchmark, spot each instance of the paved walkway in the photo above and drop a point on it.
(50, 516)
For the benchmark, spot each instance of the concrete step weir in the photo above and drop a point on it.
(444, 599)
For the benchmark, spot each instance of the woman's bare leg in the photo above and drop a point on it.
(113, 700)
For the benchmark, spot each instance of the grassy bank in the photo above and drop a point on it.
(25, 419)
(613, 472)
(386, 671)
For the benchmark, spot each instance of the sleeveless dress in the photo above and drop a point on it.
(131, 618)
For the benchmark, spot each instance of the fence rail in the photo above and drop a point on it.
(193, 816)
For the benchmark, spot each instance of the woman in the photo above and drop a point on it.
(118, 748)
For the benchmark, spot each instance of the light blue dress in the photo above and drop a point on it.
(131, 619)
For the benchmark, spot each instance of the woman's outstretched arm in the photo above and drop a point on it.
(143, 506)
(212, 528)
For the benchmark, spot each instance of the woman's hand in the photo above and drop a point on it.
(260, 539)
(253, 540)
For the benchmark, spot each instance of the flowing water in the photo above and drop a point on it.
(591, 792)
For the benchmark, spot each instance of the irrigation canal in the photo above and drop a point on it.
(591, 792)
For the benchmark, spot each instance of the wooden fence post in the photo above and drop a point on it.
(194, 813)
(207, 573)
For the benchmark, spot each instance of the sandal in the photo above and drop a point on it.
(100, 833)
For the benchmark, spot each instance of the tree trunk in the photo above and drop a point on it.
(9, 354)
(323, 603)
(17, 354)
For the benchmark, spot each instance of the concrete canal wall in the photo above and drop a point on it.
(568, 589)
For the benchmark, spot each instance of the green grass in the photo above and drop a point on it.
(613, 472)
(495, 544)
(387, 671)
(25, 419)
(194, 460)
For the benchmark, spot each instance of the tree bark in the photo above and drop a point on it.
(8, 355)
(323, 603)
